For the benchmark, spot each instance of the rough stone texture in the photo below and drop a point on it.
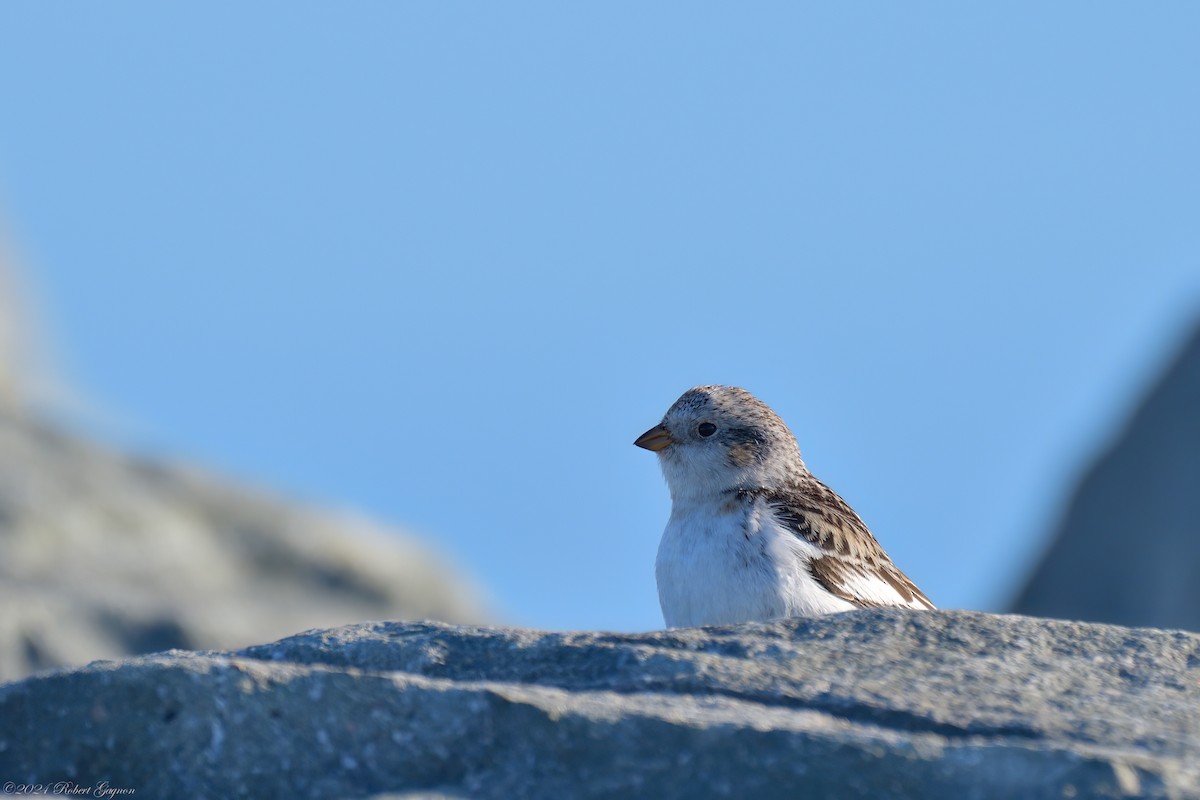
(877, 703)
(104, 555)
(1128, 548)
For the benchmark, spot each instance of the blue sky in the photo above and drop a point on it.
(441, 263)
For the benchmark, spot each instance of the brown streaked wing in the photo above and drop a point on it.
(816, 514)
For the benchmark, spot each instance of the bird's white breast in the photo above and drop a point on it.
(726, 562)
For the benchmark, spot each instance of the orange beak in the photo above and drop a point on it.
(655, 439)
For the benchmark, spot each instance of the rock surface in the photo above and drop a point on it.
(24, 366)
(878, 703)
(1128, 548)
(104, 555)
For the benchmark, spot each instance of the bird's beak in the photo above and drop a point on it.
(655, 439)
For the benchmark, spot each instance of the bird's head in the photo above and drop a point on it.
(720, 438)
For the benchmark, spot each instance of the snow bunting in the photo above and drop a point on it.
(752, 534)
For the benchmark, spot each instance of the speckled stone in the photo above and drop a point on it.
(874, 703)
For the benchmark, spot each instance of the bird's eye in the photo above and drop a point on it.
(706, 429)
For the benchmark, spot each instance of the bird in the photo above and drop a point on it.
(753, 535)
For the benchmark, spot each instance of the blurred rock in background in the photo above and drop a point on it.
(1128, 549)
(22, 368)
(104, 555)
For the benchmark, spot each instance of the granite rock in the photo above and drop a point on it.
(874, 703)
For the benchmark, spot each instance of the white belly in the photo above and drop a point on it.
(710, 572)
